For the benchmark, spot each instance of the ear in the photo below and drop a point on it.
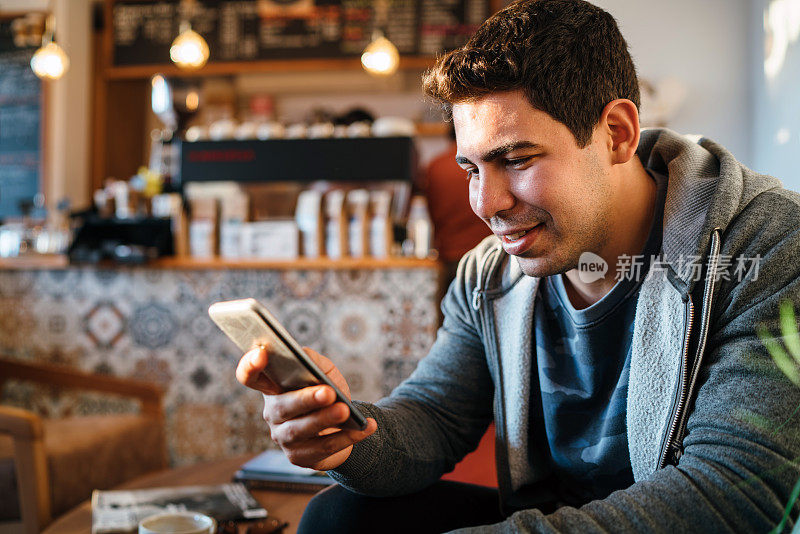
(620, 123)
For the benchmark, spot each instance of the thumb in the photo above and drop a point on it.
(250, 373)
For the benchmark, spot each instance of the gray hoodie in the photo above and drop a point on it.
(707, 410)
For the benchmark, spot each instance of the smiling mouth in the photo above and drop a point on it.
(510, 238)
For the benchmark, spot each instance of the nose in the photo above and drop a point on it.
(490, 195)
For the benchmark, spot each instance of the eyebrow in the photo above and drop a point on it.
(500, 151)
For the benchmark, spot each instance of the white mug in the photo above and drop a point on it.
(178, 523)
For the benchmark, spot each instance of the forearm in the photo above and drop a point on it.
(428, 424)
(405, 455)
(696, 496)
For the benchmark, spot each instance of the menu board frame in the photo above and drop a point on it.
(113, 70)
(40, 153)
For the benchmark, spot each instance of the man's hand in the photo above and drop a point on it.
(303, 422)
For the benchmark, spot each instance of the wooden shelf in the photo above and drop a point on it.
(296, 264)
(56, 261)
(227, 68)
(34, 261)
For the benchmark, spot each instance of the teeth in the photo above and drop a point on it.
(514, 237)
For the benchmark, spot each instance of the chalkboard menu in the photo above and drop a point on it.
(20, 131)
(250, 30)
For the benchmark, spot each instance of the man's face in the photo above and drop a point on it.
(546, 199)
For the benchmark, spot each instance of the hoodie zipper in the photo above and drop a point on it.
(708, 295)
(673, 447)
(483, 276)
(664, 458)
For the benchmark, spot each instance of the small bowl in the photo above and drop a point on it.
(393, 127)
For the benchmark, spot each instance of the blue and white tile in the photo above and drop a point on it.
(354, 327)
(56, 324)
(344, 283)
(363, 376)
(304, 320)
(17, 283)
(249, 432)
(59, 284)
(153, 325)
(303, 284)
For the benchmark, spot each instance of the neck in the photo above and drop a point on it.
(629, 228)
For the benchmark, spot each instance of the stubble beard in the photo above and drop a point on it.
(563, 257)
(589, 233)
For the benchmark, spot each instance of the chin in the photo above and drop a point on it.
(538, 267)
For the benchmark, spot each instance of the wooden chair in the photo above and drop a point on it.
(58, 462)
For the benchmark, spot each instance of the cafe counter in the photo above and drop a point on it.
(375, 318)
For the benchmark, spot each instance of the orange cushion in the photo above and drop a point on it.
(478, 467)
(98, 452)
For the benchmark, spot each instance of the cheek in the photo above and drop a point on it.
(473, 195)
(536, 188)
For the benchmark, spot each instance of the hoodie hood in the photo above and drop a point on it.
(707, 188)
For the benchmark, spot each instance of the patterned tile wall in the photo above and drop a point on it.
(151, 324)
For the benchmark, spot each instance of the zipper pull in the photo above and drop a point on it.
(677, 452)
(476, 298)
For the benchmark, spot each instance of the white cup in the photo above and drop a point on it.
(222, 129)
(297, 131)
(359, 129)
(393, 127)
(270, 130)
(321, 130)
(246, 130)
(178, 523)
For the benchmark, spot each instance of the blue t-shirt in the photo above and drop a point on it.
(583, 360)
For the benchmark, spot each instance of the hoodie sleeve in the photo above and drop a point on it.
(437, 415)
(743, 436)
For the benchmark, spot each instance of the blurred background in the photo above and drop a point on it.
(157, 156)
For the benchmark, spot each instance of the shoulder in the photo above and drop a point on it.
(472, 267)
(486, 270)
(759, 258)
(768, 223)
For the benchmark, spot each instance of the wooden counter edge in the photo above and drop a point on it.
(34, 261)
(46, 262)
(299, 263)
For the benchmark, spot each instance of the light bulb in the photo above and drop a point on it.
(380, 57)
(50, 62)
(192, 101)
(189, 50)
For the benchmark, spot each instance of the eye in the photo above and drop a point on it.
(518, 162)
(472, 173)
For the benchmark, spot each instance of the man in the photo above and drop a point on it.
(641, 400)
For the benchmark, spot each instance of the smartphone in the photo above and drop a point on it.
(248, 324)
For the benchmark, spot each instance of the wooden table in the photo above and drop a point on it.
(287, 506)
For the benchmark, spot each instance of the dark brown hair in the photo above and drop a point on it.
(567, 56)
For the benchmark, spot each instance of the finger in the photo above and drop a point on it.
(249, 372)
(329, 369)
(322, 362)
(292, 404)
(309, 427)
(318, 449)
